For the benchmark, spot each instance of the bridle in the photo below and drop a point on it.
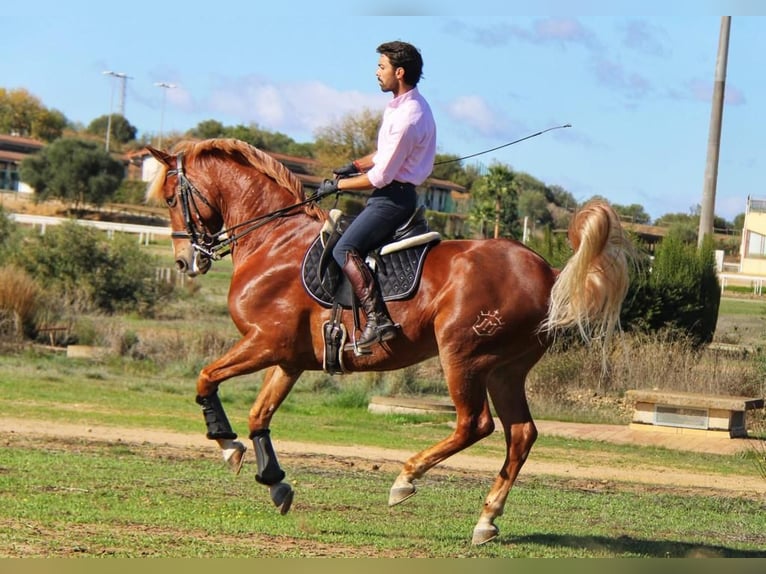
(214, 245)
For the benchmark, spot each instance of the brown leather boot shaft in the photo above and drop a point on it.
(362, 282)
(379, 326)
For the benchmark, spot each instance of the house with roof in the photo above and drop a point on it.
(13, 150)
(752, 249)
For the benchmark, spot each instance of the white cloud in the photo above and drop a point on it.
(475, 113)
(292, 107)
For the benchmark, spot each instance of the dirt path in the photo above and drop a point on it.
(391, 459)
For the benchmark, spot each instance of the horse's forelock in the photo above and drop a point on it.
(154, 189)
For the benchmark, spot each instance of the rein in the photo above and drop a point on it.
(215, 245)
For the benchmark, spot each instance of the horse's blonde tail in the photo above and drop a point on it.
(591, 287)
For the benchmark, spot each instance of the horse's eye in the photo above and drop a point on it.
(171, 201)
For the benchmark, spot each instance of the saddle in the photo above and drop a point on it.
(397, 266)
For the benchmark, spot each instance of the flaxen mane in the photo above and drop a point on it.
(241, 152)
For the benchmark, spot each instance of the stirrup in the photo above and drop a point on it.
(379, 334)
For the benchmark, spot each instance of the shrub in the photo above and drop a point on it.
(20, 298)
(89, 271)
(680, 292)
(554, 247)
(8, 235)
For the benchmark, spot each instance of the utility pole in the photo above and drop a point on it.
(123, 78)
(165, 87)
(707, 213)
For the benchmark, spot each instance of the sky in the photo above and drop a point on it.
(636, 89)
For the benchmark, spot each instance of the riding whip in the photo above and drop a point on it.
(504, 145)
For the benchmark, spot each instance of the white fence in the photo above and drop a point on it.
(755, 281)
(145, 232)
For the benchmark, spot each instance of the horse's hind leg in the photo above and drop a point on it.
(510, 402)
(474, 422)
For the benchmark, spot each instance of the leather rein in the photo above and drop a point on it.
(218, 244)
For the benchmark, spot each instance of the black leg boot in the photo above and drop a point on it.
(379, 326)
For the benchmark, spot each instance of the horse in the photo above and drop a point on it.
(488, 308)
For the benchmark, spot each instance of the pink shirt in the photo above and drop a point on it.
(406, 142)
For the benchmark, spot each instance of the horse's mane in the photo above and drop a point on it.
(242, 153)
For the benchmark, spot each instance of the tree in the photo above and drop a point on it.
(262, 139)
(355, 136)
(533, 204)
(561, 197)
(495, 207)
(122, 131)
(208, 129)
(448, 168)
(74, 170)
(24, 114)
(634, 213)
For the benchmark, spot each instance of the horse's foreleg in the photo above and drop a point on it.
(219, 429)
(276, 385)
(240, 360)
(520, 434)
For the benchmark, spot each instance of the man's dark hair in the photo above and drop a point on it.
(404, 55)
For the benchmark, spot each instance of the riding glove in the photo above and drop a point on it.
(327, 187)
(347, 170)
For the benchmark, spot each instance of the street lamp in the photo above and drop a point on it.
(122, 77)
(165, 87)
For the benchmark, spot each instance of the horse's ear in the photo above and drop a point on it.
(160, 155)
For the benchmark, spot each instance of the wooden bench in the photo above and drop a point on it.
(411, 405)
(55, 332)
(719, 415)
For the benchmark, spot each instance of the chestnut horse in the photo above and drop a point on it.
(488, 308)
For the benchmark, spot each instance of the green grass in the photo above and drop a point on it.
(736, 306)
(116, 393)
(98, 499)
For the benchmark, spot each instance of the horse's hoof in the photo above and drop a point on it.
(282, 496)
(236, 457)
(400, 494)
(483, 534)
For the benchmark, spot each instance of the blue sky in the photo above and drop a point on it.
(636, 89)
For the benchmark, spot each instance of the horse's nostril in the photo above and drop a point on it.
(181, 265)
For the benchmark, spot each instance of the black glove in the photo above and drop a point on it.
(327, 187)
(347, 170)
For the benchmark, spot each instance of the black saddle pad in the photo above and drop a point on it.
(398, 275)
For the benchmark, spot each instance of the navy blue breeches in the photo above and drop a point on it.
(386, 209)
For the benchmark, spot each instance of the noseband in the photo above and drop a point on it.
(214, 245)
(208, 244)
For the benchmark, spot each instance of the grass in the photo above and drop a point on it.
(52, 388)
(95, 498)
(83, 498)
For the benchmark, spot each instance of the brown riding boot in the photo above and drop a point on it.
(379, 326)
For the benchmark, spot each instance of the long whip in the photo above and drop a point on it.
(504, 145)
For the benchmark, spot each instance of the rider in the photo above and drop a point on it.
(404, 158)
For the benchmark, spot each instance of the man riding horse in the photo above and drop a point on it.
(404, 159)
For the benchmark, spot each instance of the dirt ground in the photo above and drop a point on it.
(600, 469)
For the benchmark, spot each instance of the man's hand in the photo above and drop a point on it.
(327, 187)
(347, 170)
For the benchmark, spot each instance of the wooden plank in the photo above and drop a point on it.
(411, 405)
(684, 399)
